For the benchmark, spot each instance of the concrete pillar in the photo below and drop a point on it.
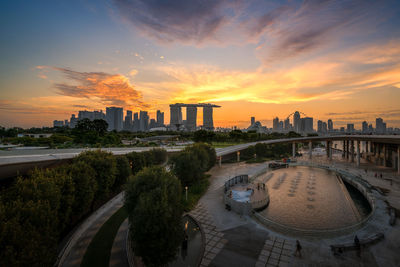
(238, 156)
(220, 161)
(352, 150)
(347, 149)
(330, 150)
(366, 147)
(358, 153)
(385, 148)
(398, 159)
(310, 149)
(327, 148)
(344, 149)
(293, 149)
(378, 154)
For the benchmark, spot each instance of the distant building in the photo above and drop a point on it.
(252, 121)
(350, 128)
(128, 123)
(73, 121)
(191, 118)
(319, 126)
(380, 126)
(364, 127)
(91, 115)
(297, 122)
(58, 123)
(275, 124)
(307, 125)
(153, 124)
(136, 123)
(330, 125)
(143, 121)
(114, 118)
(287, 126)
(160, 118)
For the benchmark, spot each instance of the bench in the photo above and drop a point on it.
(338, 248)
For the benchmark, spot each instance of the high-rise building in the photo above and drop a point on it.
(144, 121)
(153, 124)
(379, 126)
(91, 115)
(350, 128)
(73, 121)
(319, 126)
(128, 121)
(58, 123)
(208, 122)
(275, 124)
(136, 123)
(287, 125)
(114, 118)
(191, 117)
(364, 127)
(296, 122)
(160, 118)
(324, 127)
(308, 124)
(330, 125)
(176, 116)
(253, 120)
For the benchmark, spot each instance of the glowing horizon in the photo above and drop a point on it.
(336, 60)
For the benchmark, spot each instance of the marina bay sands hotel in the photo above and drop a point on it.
(191, 116)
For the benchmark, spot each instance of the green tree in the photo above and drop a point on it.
(187, 167)
(153, 202)
(105, 166)
(203, 136)
(123, 172)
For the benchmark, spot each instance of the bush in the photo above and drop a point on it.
(123, 172)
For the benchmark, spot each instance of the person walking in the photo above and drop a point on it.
(298, 249)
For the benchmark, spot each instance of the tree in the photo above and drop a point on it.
(203, 136)
(212, 156)
(123, 172)
(187, 167)
(153, 202)
(105, 167)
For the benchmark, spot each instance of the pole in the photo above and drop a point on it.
(310, 149)
(186, 188)
(293, 149)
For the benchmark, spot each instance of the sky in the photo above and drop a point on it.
(336, 60)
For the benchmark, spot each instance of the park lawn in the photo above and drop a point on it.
(99, 250)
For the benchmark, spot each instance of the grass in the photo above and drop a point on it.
(99, 250)
(195, 192)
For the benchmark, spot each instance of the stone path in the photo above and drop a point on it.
(214, 239)
(276, 252)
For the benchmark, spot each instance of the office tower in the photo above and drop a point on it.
(280, 127)
(308, 124)
(324, 127)
(275, 124)
(319, 126)
(296, 122)
(287, 125)
(160, 118)
(66, 123)
(114, 118)
(350, 128)
(364, 127)
(370, 128)
(143, 121)
(58, 123)
(191, 116)
(253, 120)
(330, 125)
(379, 126)
(91, 115)
(208, 122)
(73, 121)
(136, 123)
(128, 121)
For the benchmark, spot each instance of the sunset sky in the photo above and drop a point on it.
(328, 59)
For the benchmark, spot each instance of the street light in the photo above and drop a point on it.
(186, 188)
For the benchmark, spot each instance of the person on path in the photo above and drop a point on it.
(298, 249)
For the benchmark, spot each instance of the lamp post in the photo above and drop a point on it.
(186, 188)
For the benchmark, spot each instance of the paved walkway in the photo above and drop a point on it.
(82, 237)
(118, 252)
(244, 242)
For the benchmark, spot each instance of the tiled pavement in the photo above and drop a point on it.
(214, 239)
(276, 252)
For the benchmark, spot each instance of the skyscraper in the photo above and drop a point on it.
(136, 123)
(364, 127)
(330, 125)
(380, 127)
(160, 118)
(114, 118)
(176, 116)
(253, 120)
(191, 117)
(208, 122)
(350, 128)
(275, 124)
(296, 122)
(319, 126)
(144, 121)
(287, 125)
(308, 124)
(128, 121)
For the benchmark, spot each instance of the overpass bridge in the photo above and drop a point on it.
(381, 149)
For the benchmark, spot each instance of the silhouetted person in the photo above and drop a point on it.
(298, 249)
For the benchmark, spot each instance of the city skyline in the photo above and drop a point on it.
(336, 60)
